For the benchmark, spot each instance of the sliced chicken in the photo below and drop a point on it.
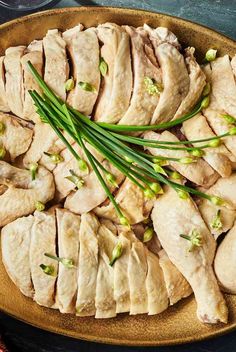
(218, 158)
(81, 44)
(182, 217)
(176, 285)
(175, 77)
(3, 98)
(92, 193)
(16, 137)
(197, 82)
(225, 189)
(233, 65)
(68, 225)
(198, 172)
(224, 84)
(142, 104)
(56, 70)
(225, 265)
(62, 170)
(43, 240)
(22, 193)
(42, 132)
(105, 303)
(137, 271)
(155, 285)
(113, 101)
(15, 241)
(34, 54)
(162, 35)
(132, 203)
(220, 126)
(14, 79)
(88, 265)
(121, 278)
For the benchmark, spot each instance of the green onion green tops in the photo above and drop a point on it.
(210, 55)
(55, 158)
(148, 234)
(206, 90)
(33, 170)
(87, 87)
(229, 119)
(2, 128)
(103, 67)
(2, 152)
(116, 253)
(39, 206)
(68, 263)
(152, 87)
(48, 269)
(216, 223)
(83, 165)
(194, 238)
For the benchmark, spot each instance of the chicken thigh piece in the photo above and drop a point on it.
(84, 52)
(15, 242)
(225, 264)
(198, 172)
(115, 93)
(16, 137)
(225, 189)
(56, 70)
(194, 262)
(68, 225)
(146, 70)
(175, 77)
(43, 240)
(14, 79)
(3, 98)
(218, 158)
(88, 265)
(22, 193)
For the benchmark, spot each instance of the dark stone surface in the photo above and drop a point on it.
(218, 14)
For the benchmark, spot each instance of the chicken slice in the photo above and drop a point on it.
(132, 202)
(223, 84)
(104, 302)
(233, 65)
(81, 44)
(155, 285)
(92, 193)
(88, 265)
(42, 132)
(34, 54)
(43, 240)
(68, 225)
(62, 170)
(198, 172)
(218, 158)
(182, 217)
(15, 241)
(137, 272)
(175, 77)
(16, 138)
(3, 98)
(14, 79)
(162, 35)
(225, 189)
(225, 266)
(56, 64)
(176, 285)
(220, 126)
(114, 98)
(197, 82)
(22, 193)
(142, 104)
(121, 279)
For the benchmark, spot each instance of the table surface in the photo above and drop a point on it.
(218, 14)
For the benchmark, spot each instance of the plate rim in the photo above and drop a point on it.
(99, 339)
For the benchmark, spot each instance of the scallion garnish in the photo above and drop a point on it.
(33, 170)
(2, 153)
(79, 182)
(2, 128)
(87, 87)
(103, 67)
(116, 253)
(216, 221)
(194, 238)
(48, 269)
(55, 158)
(148, 234)
(39, 206)
(68, 263)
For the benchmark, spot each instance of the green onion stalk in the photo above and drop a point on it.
(143, 170)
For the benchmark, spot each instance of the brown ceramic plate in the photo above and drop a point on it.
(179, 323)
